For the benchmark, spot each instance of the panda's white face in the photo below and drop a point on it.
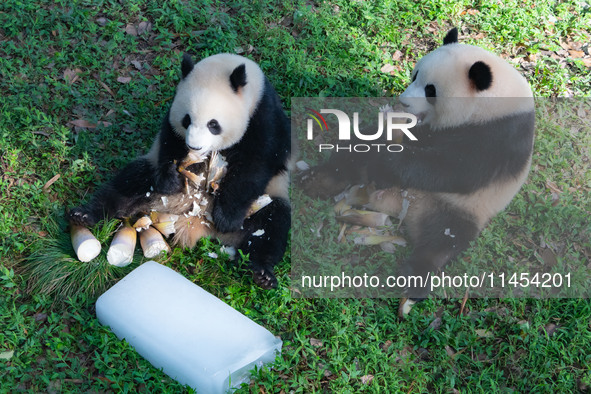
(458, 84)
(215, 100)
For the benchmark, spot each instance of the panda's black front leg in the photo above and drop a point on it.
(122, 196)
(443, 233)
(168, 179)
(265, 240)
(242, 184)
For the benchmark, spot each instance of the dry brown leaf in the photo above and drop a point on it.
(71, 76)
(397, 56)
(143, 27)
(450, 351)
(104, 85)
(136, 64)
(366, 379)
(548, 257)
(51, 182)
(553, 186)
(576, 54)
(131, 30)
(550, 328)
(87, 124)
(387, 68)
(316, 342)
(82, 123)
(386, 345)
(482, 333)
(587, 62)
(124, 79)
(435, 324)
(564, 45)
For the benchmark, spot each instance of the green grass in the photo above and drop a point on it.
(60, 62)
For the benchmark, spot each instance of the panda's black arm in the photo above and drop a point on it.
(243, 183)
(171, 151)
(122, 196)
(461, 160)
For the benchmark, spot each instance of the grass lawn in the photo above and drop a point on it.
(84, 86)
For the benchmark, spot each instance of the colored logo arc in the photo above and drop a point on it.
(317, 115)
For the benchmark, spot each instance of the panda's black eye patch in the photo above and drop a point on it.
(430, 93)
(214, 127)
(414, 77)
(186, 121)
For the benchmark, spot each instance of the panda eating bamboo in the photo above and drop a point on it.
(475, 136)
(221, 154)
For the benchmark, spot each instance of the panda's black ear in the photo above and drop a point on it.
(480, 75)
(187, 65)
(238, 77)
(451, 37)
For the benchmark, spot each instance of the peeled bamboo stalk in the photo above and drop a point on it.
(164, 222)
(122, 246)
(153, 243)
(86, 246)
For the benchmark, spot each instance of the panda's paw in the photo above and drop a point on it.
(81, 217)
(264, 277)
(224, 220)
(415, 293)
(169, 181)
(320, 183)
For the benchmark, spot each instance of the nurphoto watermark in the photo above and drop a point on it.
(436, 198)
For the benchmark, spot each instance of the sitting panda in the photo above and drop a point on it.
(473, 151)
(224, 105)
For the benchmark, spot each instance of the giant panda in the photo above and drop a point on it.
(224, 105)
(473, 151)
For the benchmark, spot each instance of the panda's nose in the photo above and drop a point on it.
(403, 102)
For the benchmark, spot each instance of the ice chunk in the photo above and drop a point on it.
(193, 336)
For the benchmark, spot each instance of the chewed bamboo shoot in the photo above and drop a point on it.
(153, 243)
(122, 247)
(258, 204)
(365, 239)
(164, 222)
(341, 206)
(364, 218)
(358, 195)
(142, 223)
(405, 307)
(86, 246)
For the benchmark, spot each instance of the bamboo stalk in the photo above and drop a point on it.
(122, 246)
(86, 246)
(153, 243)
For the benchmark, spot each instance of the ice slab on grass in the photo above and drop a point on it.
(193, 336)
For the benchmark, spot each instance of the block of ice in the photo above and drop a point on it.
(193, 336)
